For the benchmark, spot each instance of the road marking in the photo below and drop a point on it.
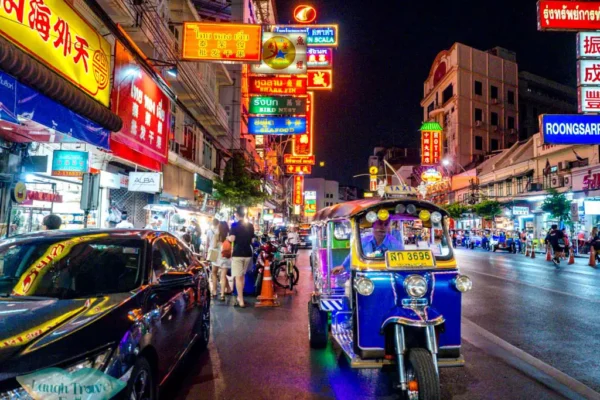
(526, 363)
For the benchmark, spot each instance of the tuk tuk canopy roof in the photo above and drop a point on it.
(355, 207)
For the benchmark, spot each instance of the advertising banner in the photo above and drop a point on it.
(319, 57)
(568, 15)
(316, 35)
(277, 85)
(70, 163)
(298, 169)
(282, 105)
(282, 54)
(431, 147)
(276, 125)
(303, 144)
(320, 79)
(298, 190)
(298, 160)
(148, 182)
(570, 129)
(144, 108)
(56, 35)
(204, 41)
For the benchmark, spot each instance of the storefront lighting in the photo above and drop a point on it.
(172, 72)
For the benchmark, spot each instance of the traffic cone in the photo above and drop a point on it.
(532, 250)
(548, 254)
(571, 257)
(527, 254)
(592, 262)
(267, 297)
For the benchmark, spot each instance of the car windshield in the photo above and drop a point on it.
(83, 266)
(403, 228)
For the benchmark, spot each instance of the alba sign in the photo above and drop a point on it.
(147, 182)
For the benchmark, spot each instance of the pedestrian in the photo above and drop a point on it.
(454, 237)
(124, 224)
(594, 242)
(210, 235)
(221, 246)
(567, 243)
(52, 222)
(241, 235)
(196, 233)
(556, 239)
(293, 240)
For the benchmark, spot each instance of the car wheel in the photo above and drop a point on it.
(203, 327)
(141, 384)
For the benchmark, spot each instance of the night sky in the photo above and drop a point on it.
(386, 51)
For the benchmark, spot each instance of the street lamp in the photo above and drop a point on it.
(446, 162)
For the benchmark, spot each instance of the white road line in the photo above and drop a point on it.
(526, 363)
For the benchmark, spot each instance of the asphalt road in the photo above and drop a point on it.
(529, 332)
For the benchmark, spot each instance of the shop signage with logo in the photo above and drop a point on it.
(320, 79)
(431, 175)
(316, 35)
(110, 180)
(144, 108)
(282, 105)
(282, 53)
(298, 160)
(205, 41)
(70, 163)
(319, 57)
(276, 125)
(19, 192)
(44, 196)
(55, 34)
(305, 14)
(147, 182)
(310, 207)
(431, 147)
(290, 85)
(519, 210)
(298, 190)
(203, 184)
(570, 129)
(298, 169)
(303, 144)
(568, 15)
(591, 181)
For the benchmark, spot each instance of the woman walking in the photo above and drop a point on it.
(223, 261)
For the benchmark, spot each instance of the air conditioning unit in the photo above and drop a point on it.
(535, 187)
(568, 181)
(557, 181)
(478, 123)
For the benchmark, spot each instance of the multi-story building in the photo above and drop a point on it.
(349, 193)
(327, 191)
(473, 94)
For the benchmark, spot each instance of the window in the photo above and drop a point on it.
(478, 88)
(511, 97)
(500, 190)
(478, 114)
(494, 119)
(478, 143)
(519, 185)
(494, 92)
(494, 145)
(511, 122)
(182, 257)
(491, 190)
(162, 258)
(509, 185)
(430, 108)
(447, 94)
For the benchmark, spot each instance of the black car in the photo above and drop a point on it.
(128, 303)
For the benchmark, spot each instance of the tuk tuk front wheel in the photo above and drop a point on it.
(318, 332)
(423, 381)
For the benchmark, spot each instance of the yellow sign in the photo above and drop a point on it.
(55, 34)
(373, 170)
(410, 259)
(19, 192)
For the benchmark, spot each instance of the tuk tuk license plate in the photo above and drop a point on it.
(410, 259)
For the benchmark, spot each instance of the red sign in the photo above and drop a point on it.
(305, 14)
(144, 108)
(298, 189)
(44, 196)
(431, 147)
(298, 169)
(303, 144)
(299, 160)
(283, 85)
(568, 15)
(319, 57)
(320, 79)
(373, 184)
(591, 182)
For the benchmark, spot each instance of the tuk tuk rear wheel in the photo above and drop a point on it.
(318, 332)
(420, 368)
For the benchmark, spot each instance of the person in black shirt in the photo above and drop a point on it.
(556, 239)
(241, 235)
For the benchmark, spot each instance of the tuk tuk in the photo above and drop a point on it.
(390, 300)
(503, 240)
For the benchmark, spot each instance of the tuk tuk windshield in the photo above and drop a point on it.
(403, 231)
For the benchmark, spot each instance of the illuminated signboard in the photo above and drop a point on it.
(278, 85)
(588, 72)
(305, 14)
(70, 163)
(282, 54)
(589, 99)
(281, 105)
(320, 79)
(298, 189)
(298, 160)
(431, 147)
(310, 195)
(276, 125)
(55, 34)
(310, 208)
(298, 169)
(303, 144)
(316, 35)
(319, 57)
(373, 183)
(568, 15)
(221, 42)
(570, 129)
(588, 44)
(431, 175)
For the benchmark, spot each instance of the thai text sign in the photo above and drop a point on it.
(286, 85)
(298, 169)
(221, 42)
(276, 125)
(282, 105)
(570, 129)
(144, 108)
(282, 54)
(316, 35)
(431, 147)
(568, 15)
(70, 163)
(303, 144)
(310, 208)
(298, 160)
(589, 99)
(588, 44)
(319, 57)
(52, 32)
(320, 79)
(298, 189)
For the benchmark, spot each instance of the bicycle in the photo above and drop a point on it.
(286, 274)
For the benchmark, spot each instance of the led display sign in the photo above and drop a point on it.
(282, 54)
(280, 105)
(320, 79)
(278, 85)
(305, 14)
(298, 189)
(319, 57)
(303, 144)
(298, 169)
(568, 15)
(221, 42)
(298, 160)
(316, 35)
(431, 147)
(570, 129)
(276, 125)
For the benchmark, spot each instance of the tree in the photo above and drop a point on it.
(456, 210)
(238, 187)
(557, 205)
(488, 209)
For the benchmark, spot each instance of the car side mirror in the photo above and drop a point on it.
(175, 278)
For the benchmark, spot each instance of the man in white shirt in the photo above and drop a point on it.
(293, 239)
(124, 224)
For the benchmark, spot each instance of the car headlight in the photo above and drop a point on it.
(463, 283)
(97, 361)
(364, 286)
(415, 286)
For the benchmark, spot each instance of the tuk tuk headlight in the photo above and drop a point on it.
(364, 286)
(463, 283)
(415, 286)
(436, 217)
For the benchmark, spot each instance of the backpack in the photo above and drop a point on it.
(226, 249)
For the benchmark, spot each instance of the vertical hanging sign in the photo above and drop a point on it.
(303, 144)
(431, 143)
(298, 189)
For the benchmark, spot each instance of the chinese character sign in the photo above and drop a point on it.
(303, 144)
(55, 34)
(320, 79)
(431, 147)
(588, 44)
(588, 72)
(589, 99)
(299, 160)
(298, 169)
(282, 54)
(280, 105)
(276, 125)
(319, 57)
(221, 42)
(276, 85)
(144, 108)
(568, 15)
(298, 189)
(70, 163)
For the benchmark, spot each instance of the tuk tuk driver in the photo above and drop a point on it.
(374, 245)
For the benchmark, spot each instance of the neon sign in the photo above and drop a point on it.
(305, 14)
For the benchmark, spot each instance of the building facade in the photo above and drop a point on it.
(327, 191)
